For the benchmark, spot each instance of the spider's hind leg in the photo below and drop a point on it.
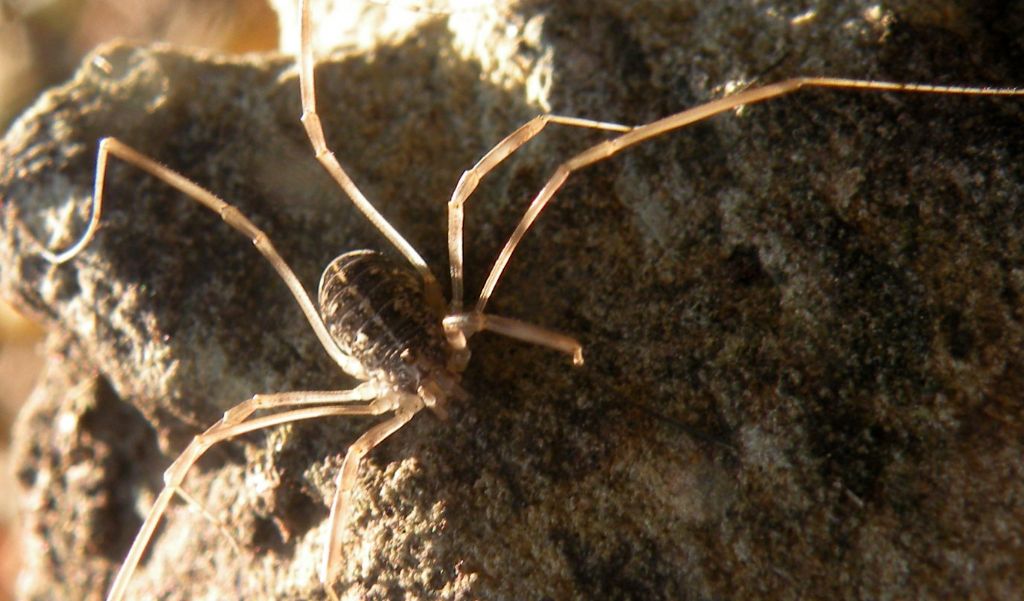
(237, 421)
(407, 407)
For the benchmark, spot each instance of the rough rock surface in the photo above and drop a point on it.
(803, 322)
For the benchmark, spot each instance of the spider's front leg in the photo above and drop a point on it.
(461, 325)
(471, 179)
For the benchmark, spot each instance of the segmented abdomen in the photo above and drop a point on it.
(377, 312)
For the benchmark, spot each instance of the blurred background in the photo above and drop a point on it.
(42, 42)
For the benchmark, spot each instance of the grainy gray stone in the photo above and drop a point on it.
(803, 323)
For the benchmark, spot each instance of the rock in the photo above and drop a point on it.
(802, 321)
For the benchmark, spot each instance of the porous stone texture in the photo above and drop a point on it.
(802, 320)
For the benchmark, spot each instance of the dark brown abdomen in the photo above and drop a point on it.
(377, 312)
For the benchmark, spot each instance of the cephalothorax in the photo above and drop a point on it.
(386, 323)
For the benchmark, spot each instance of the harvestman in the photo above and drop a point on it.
(396, 336)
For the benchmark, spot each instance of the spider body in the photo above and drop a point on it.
(378, 312)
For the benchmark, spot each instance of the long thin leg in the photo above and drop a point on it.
(408, 407)
(468, 324)
(315, 131)
(654, 129)
(471, 179)
(202, 510)
(230, 214)
(234, 423)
